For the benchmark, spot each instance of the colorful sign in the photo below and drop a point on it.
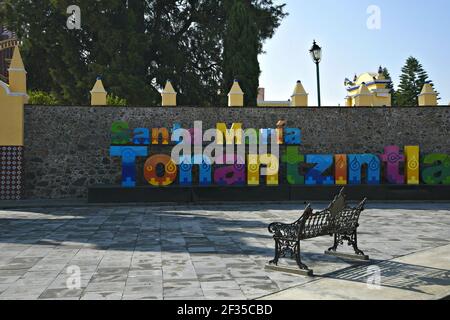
(237, 157)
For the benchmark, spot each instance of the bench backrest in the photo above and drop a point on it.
(321, 223)
(337, 218)
(347, 220)
(338, 204)
(315, 225)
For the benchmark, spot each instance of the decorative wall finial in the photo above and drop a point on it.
(169, 95)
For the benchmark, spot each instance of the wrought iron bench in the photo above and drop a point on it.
(338, 220)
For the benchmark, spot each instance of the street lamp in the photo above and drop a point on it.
(316, 55)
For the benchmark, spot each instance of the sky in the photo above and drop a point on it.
(406, 28)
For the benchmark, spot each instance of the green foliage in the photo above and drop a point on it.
(412, 80)
(390, 86)
(42, 98)
(134, 45)
(241, 51)
(112, 100)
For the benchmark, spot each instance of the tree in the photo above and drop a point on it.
(412, 80)
(241, 51)
(390, 86)
(135, 45)
(41, 98)
(25, 14)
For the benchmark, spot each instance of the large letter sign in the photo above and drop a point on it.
(228, 155)
(439, 173)
(356, 162)
(393, 159)
(128, 155)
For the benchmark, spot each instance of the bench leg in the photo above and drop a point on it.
(337, 241)
(352, 240)
(354, 243)
(298, 257)
(277, 253)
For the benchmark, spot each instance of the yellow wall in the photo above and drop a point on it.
(11, 117)
(382, 101)
(364, 100)
(428, 100)
(12, 99)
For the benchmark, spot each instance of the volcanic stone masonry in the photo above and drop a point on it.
(67, 148)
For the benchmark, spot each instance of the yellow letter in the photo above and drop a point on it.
(233, 135)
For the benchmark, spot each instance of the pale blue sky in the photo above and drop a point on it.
(408, 27)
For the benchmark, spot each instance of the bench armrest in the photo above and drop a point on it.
(282, 230)
(290, 231)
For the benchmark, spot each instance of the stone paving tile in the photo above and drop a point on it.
(19, 297)
(150, 266)
(8, 279)
(208, 274)
(183, 288)
(154, 290)
(33, 281)
(251, 271)
(108, 277)
(17, 291)
(228, 294)
(105, 295)
(142, 297)
(20, 263)
(186, 298)
(144, 281)
(156, 272)
(179, 270)
(105, 286)
(62, 281)
(41, 266)
(7, 273)
(191, 252)
(220, 285)
(3, 288)
(61, 299)
(61, 293)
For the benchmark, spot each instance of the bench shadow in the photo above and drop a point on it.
(141, 231)
(393, 275)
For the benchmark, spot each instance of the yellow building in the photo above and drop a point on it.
(12, 99)
(369, 90)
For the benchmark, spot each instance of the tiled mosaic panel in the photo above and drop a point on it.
(11, 170)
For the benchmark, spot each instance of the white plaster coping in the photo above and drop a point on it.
(11, 94)
(17, 70)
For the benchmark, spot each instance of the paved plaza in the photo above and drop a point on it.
(198, 252)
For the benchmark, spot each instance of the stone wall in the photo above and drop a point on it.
(67, 148)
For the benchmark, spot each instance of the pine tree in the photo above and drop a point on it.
(390, 86)
(412, 80)
(241, 48)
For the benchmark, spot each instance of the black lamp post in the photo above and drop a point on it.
(316, 55)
